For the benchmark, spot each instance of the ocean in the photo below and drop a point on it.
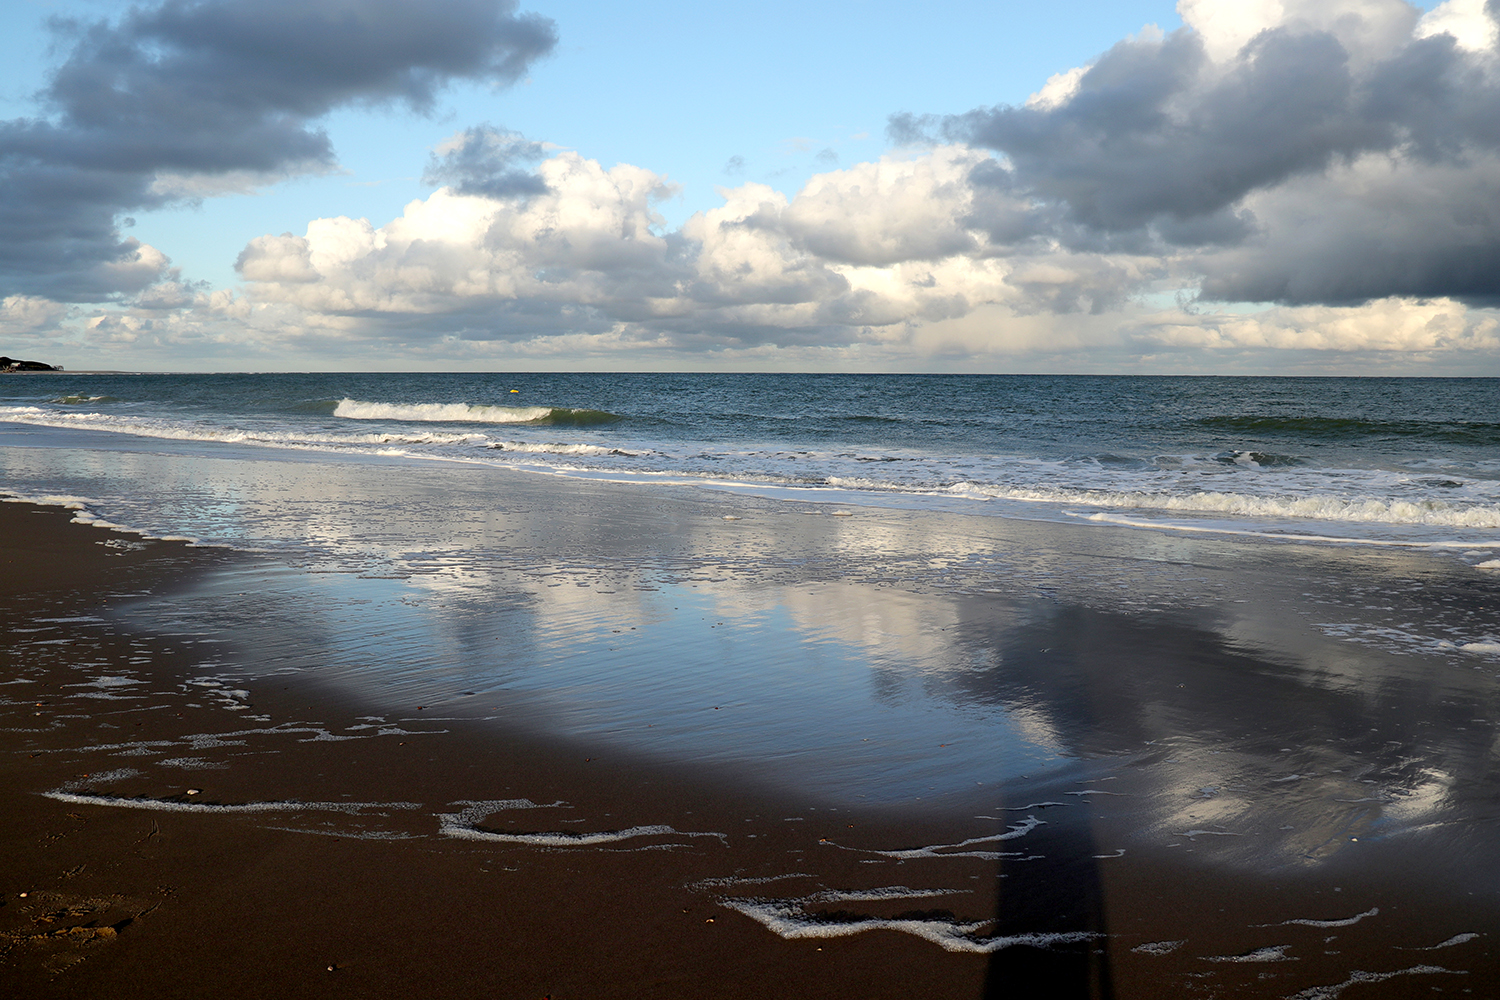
(1354, 460)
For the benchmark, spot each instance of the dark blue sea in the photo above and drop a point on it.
(1355, 460)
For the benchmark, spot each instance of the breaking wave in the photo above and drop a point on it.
(458, 413)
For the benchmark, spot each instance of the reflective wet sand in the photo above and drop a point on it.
(954, 753)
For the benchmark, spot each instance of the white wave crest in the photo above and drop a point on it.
(354, 409)
(558, 448)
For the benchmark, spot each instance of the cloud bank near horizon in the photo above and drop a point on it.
(1332, 161)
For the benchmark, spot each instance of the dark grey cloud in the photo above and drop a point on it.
(210, 88)
(1144, 137)
(1437, 102)
(484, 160)
(1427, 231)
(1163, 148)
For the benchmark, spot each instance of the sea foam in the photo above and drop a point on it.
(1312, 507)
(788, 918)
(354, 409)
(213, 808)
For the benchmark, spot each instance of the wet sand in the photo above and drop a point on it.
(179, 830)
(348, 889)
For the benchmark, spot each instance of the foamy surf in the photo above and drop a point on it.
(1359, 976)
(1452, 942)
(82, 515)
(464, 825)
(561, 448)
(1158, 947)
(1272, 953)
(1374, 911)
(565, 838)
(169, 429)
(1315, 507)
(953, 850)
(456, 413)
(1285, 532)
(216, 808)
(789, 919)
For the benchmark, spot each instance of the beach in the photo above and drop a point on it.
(660, 687)
(294, 848)
(227, 776)
(992, 504)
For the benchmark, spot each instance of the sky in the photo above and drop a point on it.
(1216, 186)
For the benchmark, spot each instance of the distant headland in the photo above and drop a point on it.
(12, 365)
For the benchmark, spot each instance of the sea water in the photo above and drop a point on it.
(1357, 460)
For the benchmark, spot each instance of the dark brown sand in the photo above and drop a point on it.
(122, 884)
